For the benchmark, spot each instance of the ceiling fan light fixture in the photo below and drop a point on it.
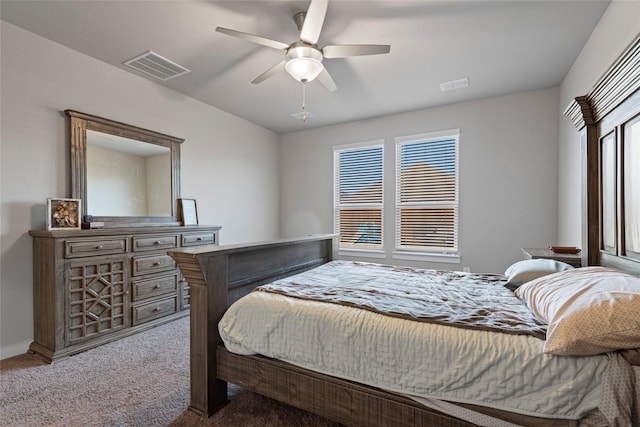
(304, 69)
(304, 62)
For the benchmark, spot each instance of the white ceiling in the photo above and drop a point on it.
(501, 46)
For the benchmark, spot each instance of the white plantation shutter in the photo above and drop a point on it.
(358, 198)
(427, 192)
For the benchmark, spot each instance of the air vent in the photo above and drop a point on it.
(454, 84)
(156, 66)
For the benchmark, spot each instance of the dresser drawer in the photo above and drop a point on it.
(151, 243)
(152, 264)
(81, 248)
(154, 287)
(194, 239)
(162, 307)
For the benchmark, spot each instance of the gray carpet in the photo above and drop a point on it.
(141, 380)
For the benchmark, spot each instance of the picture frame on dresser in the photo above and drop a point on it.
(188, 211)
(63, 213)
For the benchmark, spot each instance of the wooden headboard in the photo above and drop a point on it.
(607, 117)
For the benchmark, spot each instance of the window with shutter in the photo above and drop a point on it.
(358, 192)
(427, 192)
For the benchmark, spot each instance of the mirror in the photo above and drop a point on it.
(125, 175)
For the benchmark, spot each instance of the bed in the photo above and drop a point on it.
(220, 276)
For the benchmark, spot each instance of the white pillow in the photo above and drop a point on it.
(530, 269)
(589, 310)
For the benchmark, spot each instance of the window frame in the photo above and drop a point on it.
(445, 255)
(371, 252)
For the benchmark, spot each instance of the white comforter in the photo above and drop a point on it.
(508, 372)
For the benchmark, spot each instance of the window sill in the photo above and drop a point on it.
(401, 255)
(363, 253)
(430, 257)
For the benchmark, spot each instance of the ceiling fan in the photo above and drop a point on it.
(303, 58)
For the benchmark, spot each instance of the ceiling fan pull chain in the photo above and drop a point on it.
(304, 103)
(303, 114)
(304, 94)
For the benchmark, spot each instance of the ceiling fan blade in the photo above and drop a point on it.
(346, 50)
(254, 39)
(313, 21)
(270, 72)
(325, 78)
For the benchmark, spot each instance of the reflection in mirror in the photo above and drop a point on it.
(126, 177)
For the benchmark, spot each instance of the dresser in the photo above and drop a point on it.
(94, 286)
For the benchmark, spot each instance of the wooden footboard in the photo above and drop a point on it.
(218, 276)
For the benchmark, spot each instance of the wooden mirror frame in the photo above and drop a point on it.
(79, 124)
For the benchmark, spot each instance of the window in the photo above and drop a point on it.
(358, 198)
(426, 197)
(427, 192)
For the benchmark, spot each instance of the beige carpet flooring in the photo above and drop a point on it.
(141, 380)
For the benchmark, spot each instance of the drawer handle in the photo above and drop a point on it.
(156, 309)
(199, 239)
(157, 242)
(99, 246)
(157, 263)
(156, 287)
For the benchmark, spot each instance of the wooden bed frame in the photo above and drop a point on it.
(220, 275)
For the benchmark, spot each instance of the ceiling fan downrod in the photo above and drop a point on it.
(299, 19)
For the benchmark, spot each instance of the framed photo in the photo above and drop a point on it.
(63, 214)
(188, 211)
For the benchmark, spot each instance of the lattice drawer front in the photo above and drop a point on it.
(96, 299)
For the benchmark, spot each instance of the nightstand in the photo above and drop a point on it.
(574, 260)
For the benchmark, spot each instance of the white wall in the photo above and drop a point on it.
(508, 174)
(619, 25)
(229, 165)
